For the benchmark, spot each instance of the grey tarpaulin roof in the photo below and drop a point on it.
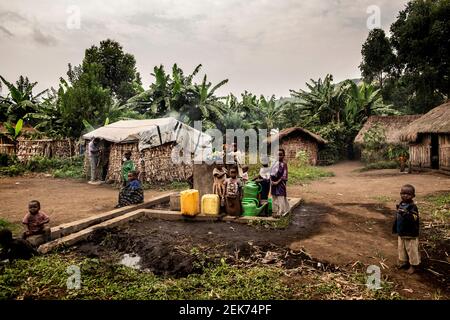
(151, 133)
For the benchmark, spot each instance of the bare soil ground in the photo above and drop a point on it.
(357, 224)
(344, 221)
(64, 200)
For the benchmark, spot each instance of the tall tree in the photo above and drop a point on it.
(378, 58)
(421, 38)
(84, 98)
(117, 69)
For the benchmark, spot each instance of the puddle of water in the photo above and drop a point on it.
(131, 260)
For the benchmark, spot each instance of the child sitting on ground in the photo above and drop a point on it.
(406, 225)
(132, 193)
(13, 249)
(35, 220)
(233, 193)
(219, 174)
(127, 166)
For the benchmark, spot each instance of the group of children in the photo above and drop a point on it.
(228, 185)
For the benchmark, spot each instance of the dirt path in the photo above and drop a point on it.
(357, 211)
(64, 200)
(343, 220)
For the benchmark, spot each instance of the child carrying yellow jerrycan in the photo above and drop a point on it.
(189, 202)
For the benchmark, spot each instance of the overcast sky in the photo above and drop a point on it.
(264, 46)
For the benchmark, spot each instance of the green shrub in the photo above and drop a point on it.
(58, 167)
(73, 172)
(302, 158)
(12, 170)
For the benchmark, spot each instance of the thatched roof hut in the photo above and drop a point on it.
(429, 139)
(391, 125)
(296, 139)
(435, 121)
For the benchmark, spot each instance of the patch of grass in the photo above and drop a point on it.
(340, 286)
(439, 199)
(297, 174)
(386, 164)
(58, 167)
(281, 223)
(438, 206)
(5, 224)
(73, 172)
(46, 277)
(12, 170)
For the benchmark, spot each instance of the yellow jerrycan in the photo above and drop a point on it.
(189, 202)
(210, 204)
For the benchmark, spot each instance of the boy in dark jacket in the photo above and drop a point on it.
(406, 225)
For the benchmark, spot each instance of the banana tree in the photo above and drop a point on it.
(270, 114)
(364, 100)
(14, 131)
(322, 104)
(202, 102)
(20, 99)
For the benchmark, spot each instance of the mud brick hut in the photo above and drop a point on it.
(151, 143)
(296, 139)
(429, 140)
(392, 127)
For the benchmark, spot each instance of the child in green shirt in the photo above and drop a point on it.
(127, 166)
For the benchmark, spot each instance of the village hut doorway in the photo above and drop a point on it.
(434, 152)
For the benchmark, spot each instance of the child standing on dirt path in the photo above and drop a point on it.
(35, 220)
(402, 160)
(406, 225)
(219, 174)
(233, 193)
(279, 177)
(127, 166)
